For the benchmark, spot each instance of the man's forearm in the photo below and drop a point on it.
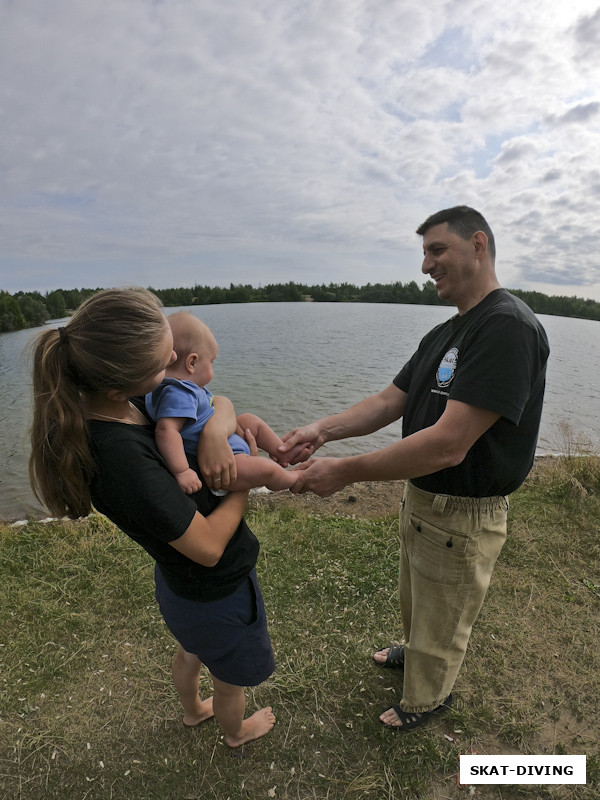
(442, 445)
(364, 417)
(418, 454)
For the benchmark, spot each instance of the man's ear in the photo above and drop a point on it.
(480, 243)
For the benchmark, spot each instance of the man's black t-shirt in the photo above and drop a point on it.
(134, 488)
(493, 357)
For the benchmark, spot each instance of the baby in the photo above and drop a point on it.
(182, 404)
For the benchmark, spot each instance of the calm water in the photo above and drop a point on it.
(293, 362)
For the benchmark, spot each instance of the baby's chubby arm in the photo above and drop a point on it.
(170, 445)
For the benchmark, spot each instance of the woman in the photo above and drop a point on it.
(93, 444)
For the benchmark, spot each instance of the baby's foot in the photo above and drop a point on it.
(205, 711)
(253, 728)
(283, 479)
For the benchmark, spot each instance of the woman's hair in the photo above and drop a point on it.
(115, 340)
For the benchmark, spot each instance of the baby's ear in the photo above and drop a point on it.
(191, 361)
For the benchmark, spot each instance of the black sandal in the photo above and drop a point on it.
(394, 659)
(413, 719)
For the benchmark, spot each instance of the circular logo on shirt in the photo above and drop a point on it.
(447, 368)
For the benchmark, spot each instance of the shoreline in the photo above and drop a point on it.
(376, 498)
(358, 500)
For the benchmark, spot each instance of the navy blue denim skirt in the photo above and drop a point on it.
(229, 635)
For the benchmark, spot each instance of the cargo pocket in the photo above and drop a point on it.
(440, 556)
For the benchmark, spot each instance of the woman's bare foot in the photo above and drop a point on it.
(252, 728)
(205, 712)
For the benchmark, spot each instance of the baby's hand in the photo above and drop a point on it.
(189, 481)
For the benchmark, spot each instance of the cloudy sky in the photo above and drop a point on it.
(174, 142)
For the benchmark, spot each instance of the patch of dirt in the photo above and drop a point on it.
(360, 500)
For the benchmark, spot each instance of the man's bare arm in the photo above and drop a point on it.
(444, 444)
(366, 416)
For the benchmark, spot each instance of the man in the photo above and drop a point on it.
(471, 401)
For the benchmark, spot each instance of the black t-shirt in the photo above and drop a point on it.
(134, 488)
(492, 357)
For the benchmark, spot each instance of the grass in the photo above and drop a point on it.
(87, 709)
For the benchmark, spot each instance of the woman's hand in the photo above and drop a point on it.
(215, 456)
(206, 538)
(216, 462)
(251, 441)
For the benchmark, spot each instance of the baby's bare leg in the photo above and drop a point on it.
(254, 471)
(266, 438)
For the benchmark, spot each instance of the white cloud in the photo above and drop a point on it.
(169, 143)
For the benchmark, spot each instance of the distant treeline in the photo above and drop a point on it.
(29, 309)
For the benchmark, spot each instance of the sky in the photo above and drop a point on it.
(170, 143)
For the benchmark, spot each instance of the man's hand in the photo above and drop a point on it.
(249, 437)
(323, 476)
(301, 452)
(300, 443)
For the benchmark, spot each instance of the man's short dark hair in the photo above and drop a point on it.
(464, 222)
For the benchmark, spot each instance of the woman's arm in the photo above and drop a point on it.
(215, 457)
(207, 537)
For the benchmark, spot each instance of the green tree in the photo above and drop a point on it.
(239, 293)
(55, 303)
(429, 296)
(412, 293)
(282, 293)
(200, 295)
(217, 295)
(62, 301)
(182, 296)
(75, 297)
(11, 316)
(33, 309)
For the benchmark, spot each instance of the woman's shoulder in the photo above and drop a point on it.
(107, 438)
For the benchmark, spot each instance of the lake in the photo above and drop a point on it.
(291, 363)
